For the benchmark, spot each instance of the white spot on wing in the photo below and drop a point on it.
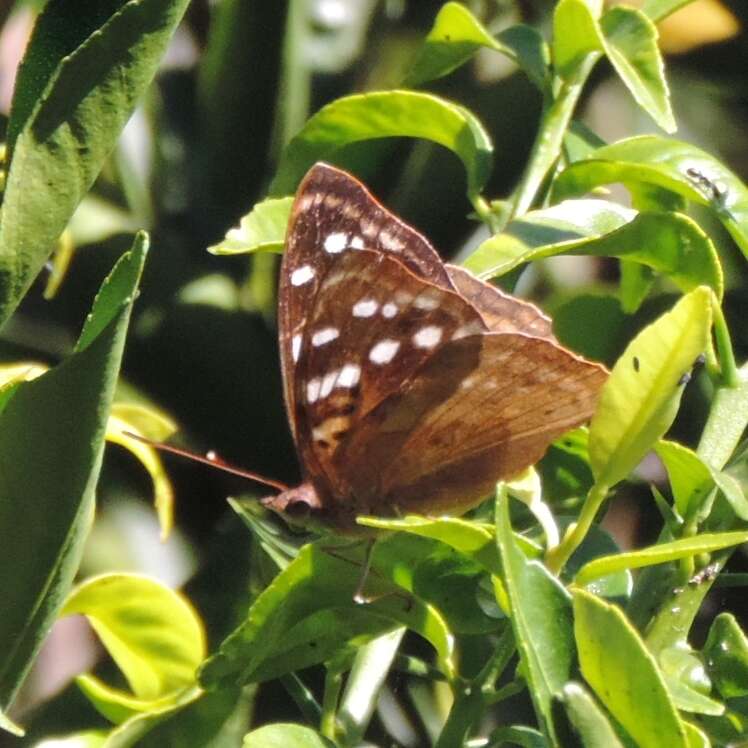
(365, 308)
(296, 347)
(389, 310)
(427, 337)
(328, 382)
(403, 297)
(357, 243)
(428, 300)
(349, 375)
(312, 390)
(391, 242)
(305, 203)
(469, 328)
(384, 351)
(302, 275)
(325, 335)
(336, 243)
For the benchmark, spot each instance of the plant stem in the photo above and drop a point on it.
(558, 556)
(729, 372)
(303, 697)
(333, 684)
(493, 669)
(468, 708)
(547, 147)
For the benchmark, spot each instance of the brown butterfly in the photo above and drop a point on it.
(410, 385)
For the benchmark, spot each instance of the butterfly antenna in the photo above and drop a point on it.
(210, 458)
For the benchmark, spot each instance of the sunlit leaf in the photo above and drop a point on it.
(726, 656)
(660, 554)
(541, 619)
(630, 42)
(678, 167)
(624, 675)
(263, 229)
(151, 632)
(641, 397)
(285, 736)
(385, 114)
(670, 243)
(588, 719)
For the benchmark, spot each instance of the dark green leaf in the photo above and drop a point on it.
(588, 719)
(541, 619)
(726, 655)
(78, 111)
(51, 443)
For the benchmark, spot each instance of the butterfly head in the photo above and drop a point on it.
(302, 506)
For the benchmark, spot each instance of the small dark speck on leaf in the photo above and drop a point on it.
(636, 363)
(700, 359)
(685, 378)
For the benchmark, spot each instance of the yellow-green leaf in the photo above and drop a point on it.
(624, 675)
(641, 397)
(152, 633)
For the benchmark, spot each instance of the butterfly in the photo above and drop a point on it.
(410, 385)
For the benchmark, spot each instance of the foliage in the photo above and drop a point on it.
(526, 622)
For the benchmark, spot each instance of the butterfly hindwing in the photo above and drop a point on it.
(480, 409)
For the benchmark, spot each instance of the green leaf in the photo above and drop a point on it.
(599, 544)
(726, 655)
(678, 167)
(151, 632)
(541, 619)
(469, 538)
(623, 674)
(145, 422)
(263, 229)
(726, 423)
(588, 719)
(641, 397)
(575, 35)
(530, 51)
(285, 736)
(74, 98)
(384, 114)
(670, 243)
(630, 41)
(687, 681)
(308, 614)
(636, 282)
(659, 9)
(660, 554)
(696, 738)
(690, 479)
(454, 38)
(51, 442)
(457, 35)
(87, 739)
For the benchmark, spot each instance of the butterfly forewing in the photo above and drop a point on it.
(332, 214)
(372, 325)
